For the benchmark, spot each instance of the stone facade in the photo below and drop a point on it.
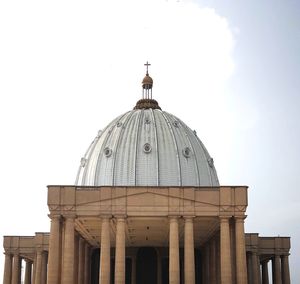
(196, 236)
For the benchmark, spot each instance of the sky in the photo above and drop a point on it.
(228, 69)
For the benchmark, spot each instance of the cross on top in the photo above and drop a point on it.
(147, 64)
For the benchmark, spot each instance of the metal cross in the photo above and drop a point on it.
(147, 64)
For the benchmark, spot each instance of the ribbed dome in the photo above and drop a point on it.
(147, 147)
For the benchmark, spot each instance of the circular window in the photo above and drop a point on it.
(176, 123)
(186, 152)
(83, 162)
(147, 148)
(119, 124)
(147, 121)
(107, 152)
(210, 162)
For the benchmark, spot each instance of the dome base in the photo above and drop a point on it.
(146, 104)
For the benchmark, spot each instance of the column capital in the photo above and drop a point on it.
(240, 218)
(69, 216)
(120, 217)
(54, 216)
(188, 218)
(173, 218)
(225, 218)
(105, 216)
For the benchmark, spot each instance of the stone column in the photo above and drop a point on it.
(207, 258)
(159, 268)
(189, 254)
(226, 276)
(133, 269)
(33, 270)
(38, 267)
(240, 247)
(285, 269)
(69, 245)
(255, 268)
(212, 262)
(265, 272)
(28, 272)
(120, 252)
(218, 256)
(86, 264)
(81, 262)
(76, 257)
(104, 275)
(44, 267)
(7, 269)
(16, 269)
(54, 251)
(174, 266)
(276, 270)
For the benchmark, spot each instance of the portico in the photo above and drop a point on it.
(120, 220)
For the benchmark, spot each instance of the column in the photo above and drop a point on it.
(174, 272)
(285, 269)
(38, 267)
(7, 269)
(207, 257)
(218, 256)
(276, 270)
(249, 267)
(159, 268)
(255, 268)
(33, 270)
(226, 276)
(104, 275)
(69, 244)
(120, 252)
(28, 272)
(212, 262)
(54, 251)
(44, 267)
(133, 269)
(87, 264)
(81, 261)
(240, 247)
(265, 272)
(189, 254)
(16, 269)
(76, 257)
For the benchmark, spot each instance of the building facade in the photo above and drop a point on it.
(146, 208)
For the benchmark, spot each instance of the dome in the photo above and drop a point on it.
(147, 147)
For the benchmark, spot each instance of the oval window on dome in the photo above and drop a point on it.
(187, 152)
(107, 152)
(83, 162)
(210, 162)
(119, 124)
(147, 148)
(176, 123)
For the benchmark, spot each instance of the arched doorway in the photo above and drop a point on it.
(146, 266)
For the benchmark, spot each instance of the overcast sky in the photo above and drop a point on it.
(229, 69)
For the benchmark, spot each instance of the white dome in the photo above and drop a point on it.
(147, 147)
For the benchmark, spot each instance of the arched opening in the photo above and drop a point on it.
(146, 266)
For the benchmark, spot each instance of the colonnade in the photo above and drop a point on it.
(69, 253)
(258, 270)
(224, 254)
(35, 270)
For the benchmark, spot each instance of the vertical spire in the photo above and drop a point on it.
(147, 102)
(147, 84)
